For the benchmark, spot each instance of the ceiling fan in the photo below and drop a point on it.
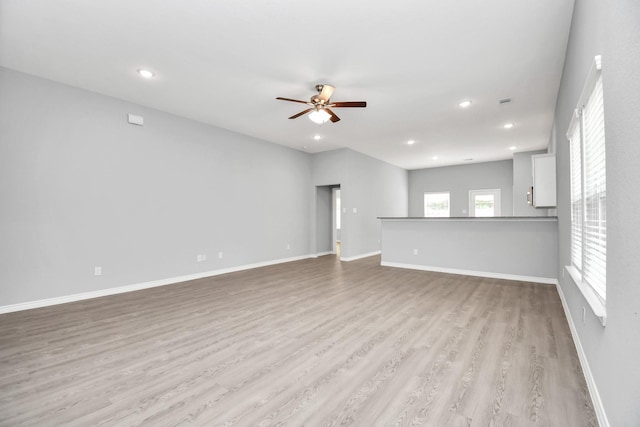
(321, 105)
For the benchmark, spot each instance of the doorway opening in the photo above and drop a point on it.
(329, 224)
(337, 222)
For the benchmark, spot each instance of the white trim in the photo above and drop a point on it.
(323, 254)
(575, 121)
(584, 364)
(353, 258)
(546, 280)
(594, 73)
(497, 207)
(596, 304)
(431, 193)
(139, 286)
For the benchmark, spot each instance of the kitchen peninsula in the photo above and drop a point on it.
(516, 248)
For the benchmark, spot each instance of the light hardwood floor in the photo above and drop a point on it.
(314, 342)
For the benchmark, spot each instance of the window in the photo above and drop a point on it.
(436, 204)
(484, 202)
(588, 188)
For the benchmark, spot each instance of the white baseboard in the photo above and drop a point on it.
(353, 258)
(547, 280)
(138, 286)
(323, 254)
(584, 363)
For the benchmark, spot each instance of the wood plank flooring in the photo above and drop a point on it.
(308, 343)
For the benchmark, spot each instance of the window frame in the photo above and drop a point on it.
(424, 200)
(587, 267)
(488, 191)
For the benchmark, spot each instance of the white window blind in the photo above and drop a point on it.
(595, 195)
(588, 186)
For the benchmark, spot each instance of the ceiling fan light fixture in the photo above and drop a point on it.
(319, 116)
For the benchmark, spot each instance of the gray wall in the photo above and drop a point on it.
(458, 180)
(522, 181)
(374, 188)
(80, 187)
(611, 29)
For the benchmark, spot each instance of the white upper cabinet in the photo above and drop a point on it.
(544, 180)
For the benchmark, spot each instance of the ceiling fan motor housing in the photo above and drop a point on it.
(317, 100)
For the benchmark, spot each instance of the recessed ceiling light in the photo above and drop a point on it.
(146, 73)
(508, 125)
(435, 158)
(411, 142)
(513, 147)
(317, 137)
(465, 104)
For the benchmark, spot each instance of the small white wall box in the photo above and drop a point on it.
(135, 120)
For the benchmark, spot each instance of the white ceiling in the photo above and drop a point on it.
(223, 62)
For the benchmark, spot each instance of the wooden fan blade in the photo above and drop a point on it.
(326, 92)
(361, 104)
(292, 100)
(295, 116)
(333, 118)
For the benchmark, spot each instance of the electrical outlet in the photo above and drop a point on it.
(415, 252)
(204, 257)
(97, 271)
(219, 255)
(288, 246)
